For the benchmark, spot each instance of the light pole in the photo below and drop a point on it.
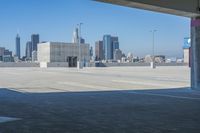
(79, 64)
(153, 66)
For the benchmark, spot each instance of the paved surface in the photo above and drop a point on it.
(76, 109)
(7, 119)
(93, 79)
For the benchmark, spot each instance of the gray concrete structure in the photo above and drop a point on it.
(99, 53)
(28, 50)
(187, 8)
(34, 56)
(186, 55)
(35, 80)
(117, 54)
(124, 100)
(195, 65)
(62, 52)
(132, 64)
(18, 64)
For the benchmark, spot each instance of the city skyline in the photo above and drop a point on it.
(132, 26)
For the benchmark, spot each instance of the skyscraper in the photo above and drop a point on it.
(17, 46)
(115, 43)
(109, 45)
(75, 38)
(99, 54)
(91, 52)
(28, 50)
(35, 39)
(2, 49)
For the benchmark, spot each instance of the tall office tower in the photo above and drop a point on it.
(99, 54)
(35, 39)
(17, 46)
(2, 49)
(115, 43)
(75, 38)
(91, 53)
(109, 45)
(28, 50)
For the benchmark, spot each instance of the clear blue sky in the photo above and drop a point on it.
(55, 20)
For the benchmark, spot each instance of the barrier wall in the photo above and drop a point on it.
(19, 64)
(65, 64)
(133, 64)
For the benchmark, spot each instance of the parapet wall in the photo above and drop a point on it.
(64, 64)
(19, 64)
(53, 64)
(134, 64)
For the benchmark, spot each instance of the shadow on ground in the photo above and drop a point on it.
(147, 111)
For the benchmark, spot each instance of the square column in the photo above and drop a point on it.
(195, 53)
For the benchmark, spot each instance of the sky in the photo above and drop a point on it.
(55, 20)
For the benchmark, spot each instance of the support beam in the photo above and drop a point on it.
(195, 66)
(187, 8)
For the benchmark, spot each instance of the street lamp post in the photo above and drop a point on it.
(153, 66)
(79, 64)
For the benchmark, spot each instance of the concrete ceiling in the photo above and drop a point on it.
(187, 8)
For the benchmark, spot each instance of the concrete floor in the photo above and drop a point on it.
(98, 100)
(93, 79)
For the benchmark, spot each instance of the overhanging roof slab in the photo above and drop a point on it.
(187, 8)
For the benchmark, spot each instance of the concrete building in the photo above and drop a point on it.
(186, 50)
(1, 53)
(28, 50)
(75, 38)
(148, 58)
(63, 52)
(5, 55)
(91, 53)
(130, 57)
(35, 39)
(115, 43)
(34, 56)
(110, 43)
(107, 47)
(17, 46)
(2, 49)
(159, 59)
(99, 53)
(117, 54)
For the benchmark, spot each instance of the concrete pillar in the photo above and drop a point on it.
(195, 53)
